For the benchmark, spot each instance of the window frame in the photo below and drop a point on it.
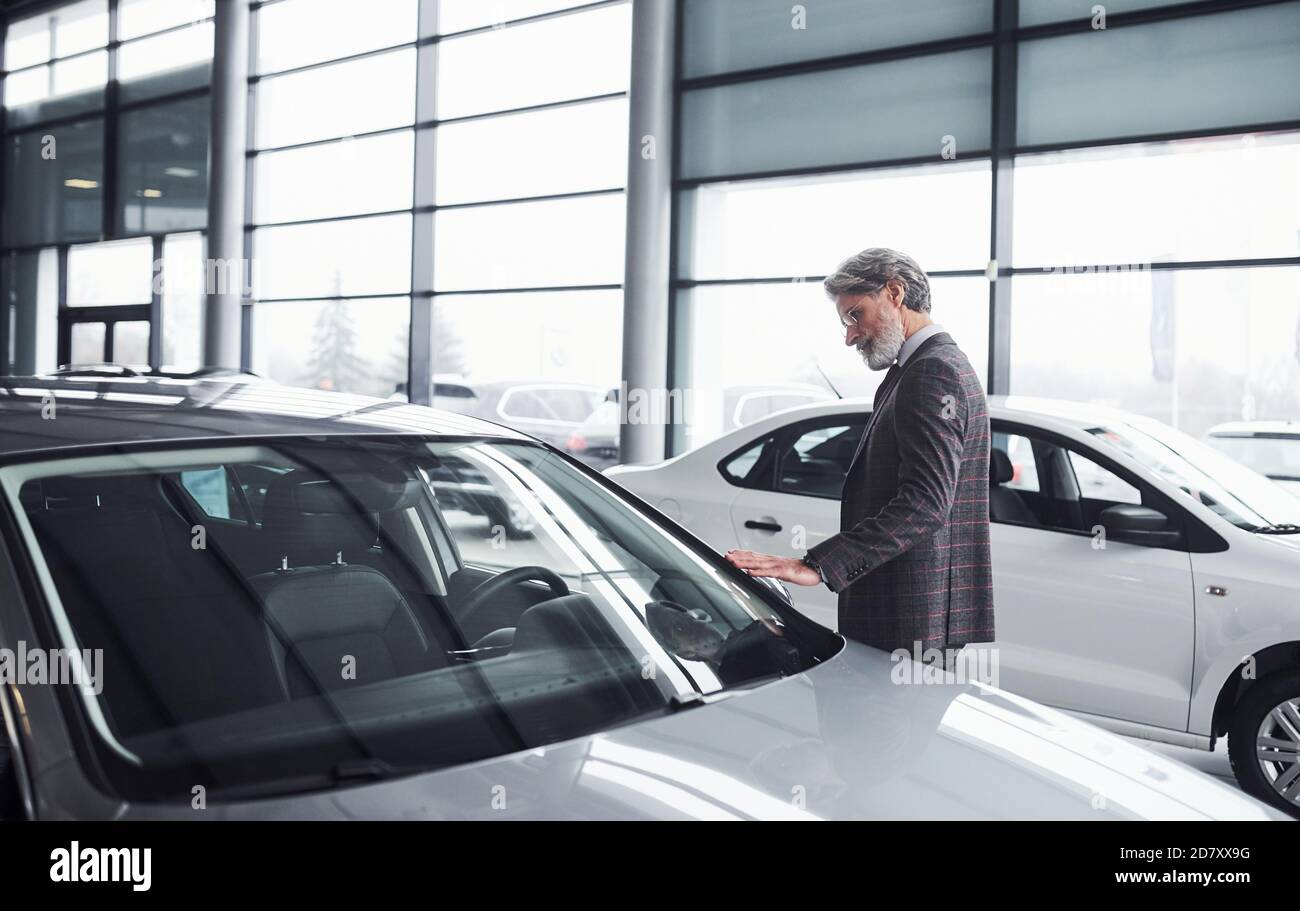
(777, 440)
(1195, 535)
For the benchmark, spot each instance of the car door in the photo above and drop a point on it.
(792, 499)
(1084, 621)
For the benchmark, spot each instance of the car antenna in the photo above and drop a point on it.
(828, 381)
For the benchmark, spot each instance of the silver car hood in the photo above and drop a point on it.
(841, 741)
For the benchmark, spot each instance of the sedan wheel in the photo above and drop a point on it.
(1277, 749)
(1264, 742)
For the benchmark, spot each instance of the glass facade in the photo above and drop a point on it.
(439, 188)
(1142, 215)
(106, 147)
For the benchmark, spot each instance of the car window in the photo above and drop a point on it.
(817, 459)
(1052, 486)
(1277, 456)
(1203, 474)
(254, 481)
(571, 405)
(1098, 483)
(739, 469)
(211, 490)
(1021, 455)
(406, 604)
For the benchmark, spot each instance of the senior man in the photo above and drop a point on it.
(911, 563)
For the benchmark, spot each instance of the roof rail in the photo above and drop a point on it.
(95, 370)
(123, 370)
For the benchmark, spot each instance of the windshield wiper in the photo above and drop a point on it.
(1282, 528)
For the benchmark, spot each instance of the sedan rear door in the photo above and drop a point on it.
(791, 497)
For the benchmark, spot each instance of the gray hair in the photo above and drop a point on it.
(868, 272)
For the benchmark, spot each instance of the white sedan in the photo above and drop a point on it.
(1142, 580)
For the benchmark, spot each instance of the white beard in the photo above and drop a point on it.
(881, 350)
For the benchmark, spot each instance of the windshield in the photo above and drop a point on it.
(300, 614)
(1244, 497)
(1277, 456)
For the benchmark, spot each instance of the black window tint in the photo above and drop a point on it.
(254, 480)
(815, 462)
(742, 467)
(1038, 482)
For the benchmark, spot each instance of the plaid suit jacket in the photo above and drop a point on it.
(911, 563)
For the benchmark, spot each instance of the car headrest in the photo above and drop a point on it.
(311, 520)
(91, 491)
(1000, 468)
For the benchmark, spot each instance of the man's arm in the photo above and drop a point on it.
(930, 414)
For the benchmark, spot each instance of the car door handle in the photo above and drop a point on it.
(762, 526)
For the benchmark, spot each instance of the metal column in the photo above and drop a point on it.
(221, 312)
(647, 279)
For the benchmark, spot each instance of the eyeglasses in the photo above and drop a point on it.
(850, 319)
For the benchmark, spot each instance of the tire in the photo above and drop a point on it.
(1250, 714)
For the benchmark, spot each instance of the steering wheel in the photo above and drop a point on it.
(490, 587)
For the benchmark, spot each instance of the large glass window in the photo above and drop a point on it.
(346, 177)
(555, 59)
(170, 62)
(110, 274)
(339, 258)
(61, 89)
(54, 184)
(144, 17)
(54, 66)
(570, 336)
(1218, 71)
(805, 226)
(462, 15)
(534, 244)
(163, 167)
(30, 302)
(183, 277)
(1236, 197)
(297, 33)
(909, 108)
(356, 346)
(1039, 12)
(558, 150)
(783, 338)
(357, 96)
(58, 171)
(721, 36)
(1192, 348)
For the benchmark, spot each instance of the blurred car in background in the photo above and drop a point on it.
(548, 410)
(1270, 447)
(595, 442)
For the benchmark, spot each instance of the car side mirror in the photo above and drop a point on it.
(1139, 525)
